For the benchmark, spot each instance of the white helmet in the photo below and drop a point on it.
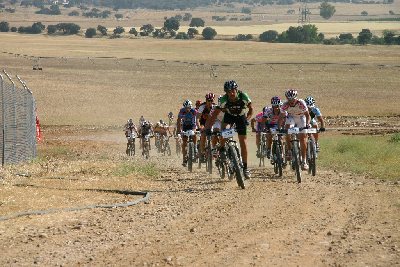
(187, 104)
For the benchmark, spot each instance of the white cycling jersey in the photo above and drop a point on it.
(296, 113)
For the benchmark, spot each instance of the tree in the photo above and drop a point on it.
(196, 22)
(192, 32)
(4, 26)
(209, 33)
(187, 17)
(68, 28)
(326, 10)
(133, 31)
(51, 29)
(364, 13)
(246, 10)
(146, 29)
(37, 27)
(73, 13)
(182, 35)
(364, 37)
(346, 38)
(14, 29)
(90, 32)
(103, 30)
(171, 24)
(389, 37)
(269, 36)
(119, 30)
(119, 16)
(55, 10)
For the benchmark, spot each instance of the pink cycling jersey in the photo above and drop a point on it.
(271, 117)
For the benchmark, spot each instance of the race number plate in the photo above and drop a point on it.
(274, 131)
(228, 133)
(294, 130)
(189, 133)
(312, 131)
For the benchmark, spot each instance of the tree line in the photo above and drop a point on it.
(301, 34)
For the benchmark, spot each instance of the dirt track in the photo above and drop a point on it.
(333, 219)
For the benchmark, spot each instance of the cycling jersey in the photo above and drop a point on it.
(272, 119)
(259, 122)
(205, 113)
(188, 118)
(236, 108)
(298, 109)
(314, 112)
(145, 130)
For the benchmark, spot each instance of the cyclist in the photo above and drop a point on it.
(315, 113)
(258, 126)
(203, 114)
(297, 115)
(157, 134)
(130, 128)
(198, 103)
(234, 103)
(141, 120)
(146, 129)
(170, 118)
(271, 117)
(186, 121)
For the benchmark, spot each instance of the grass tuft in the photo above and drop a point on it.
(373, 156)
(125, 169)
(395, 138)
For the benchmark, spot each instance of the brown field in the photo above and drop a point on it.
(87, 86)
(78, 86)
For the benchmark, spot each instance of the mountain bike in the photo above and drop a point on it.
(178, 144)
(295, 151)
(146, 146)
(157, 142)
(262, 148)
(277, 155)
(233, 154)
(311, 151)
(191, 152)
(165, 147)
(222, 161)
(130, 146)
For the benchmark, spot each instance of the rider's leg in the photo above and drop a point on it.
(184, 142)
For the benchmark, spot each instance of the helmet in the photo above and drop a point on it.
(230, 85)
(130, 121)
(210, 97)
(161, 122)
(310, 101)
(276, 101)
(158, 124)
(187, 104)
(170, 114)
(291, 94)
(146, 123)
(198, 103)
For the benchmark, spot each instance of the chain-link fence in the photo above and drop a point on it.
(17, 121)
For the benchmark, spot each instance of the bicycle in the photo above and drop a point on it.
(191, 152)
(233, 154)
(178, 144)
(222, 162)
(277, 155)
(146, 146)
(311, 151)
(130, 146)
(262, 148)
(165, 147)
(157, 142)
(295, 150)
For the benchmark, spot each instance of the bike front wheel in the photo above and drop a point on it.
(236, 166)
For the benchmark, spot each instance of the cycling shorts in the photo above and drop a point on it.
(298, 121)
(239, 121)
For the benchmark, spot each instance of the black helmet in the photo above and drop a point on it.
(230, 85)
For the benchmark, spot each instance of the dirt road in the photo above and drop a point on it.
(192, 219)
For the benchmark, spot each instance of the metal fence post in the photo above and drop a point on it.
(3, 122)
(14, 145)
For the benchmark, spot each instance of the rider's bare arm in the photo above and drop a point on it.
(321, 121)
(210, 121)
(250, 112)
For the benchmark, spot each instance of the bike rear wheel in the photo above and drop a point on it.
(312, 159)
(236, 165)
(190, 156)
(278, 160)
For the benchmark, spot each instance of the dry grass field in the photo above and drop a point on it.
(152, 77)
(86, 86)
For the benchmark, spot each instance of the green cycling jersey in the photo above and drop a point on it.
(237, 107)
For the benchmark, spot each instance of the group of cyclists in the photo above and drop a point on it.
(234, 109)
